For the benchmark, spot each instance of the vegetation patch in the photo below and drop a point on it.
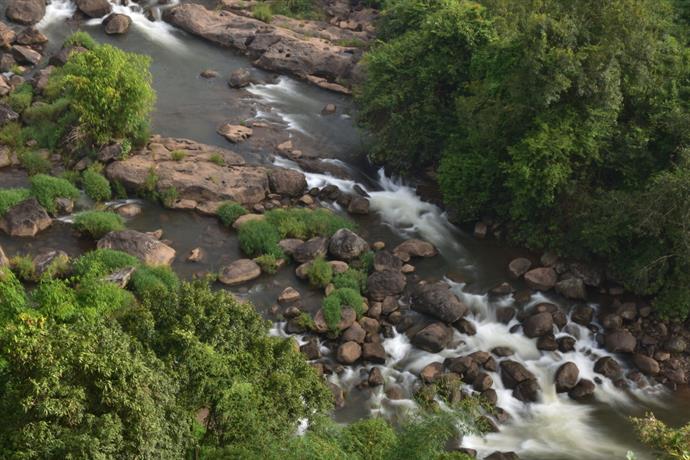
(97, 224)
(10, 197)
(47, 189)
(229, 212)
(96, 185)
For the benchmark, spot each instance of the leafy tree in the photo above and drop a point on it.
(85, 390)
(110, 92)
(669, 443)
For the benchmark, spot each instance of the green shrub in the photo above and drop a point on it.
(352, 278)
(153, 282)
(43, 111)
(320, 273)
(97, 224)
(10, 197)
(110, 91)
(268, 263)
(262, 12)
(178, 155)
(23, 266)
(150, 185)
(336, 300)
(119, 190)
(101, 262)
(304, 223)
(80, 38)
(365, 263)
(55, 299)
(229, 211)
(20, 99)
(47, 189)
(34, 163)
(302, 9)
(169, 197)
(258, 237)
(12, 296)
(97, 298)
(96, 185)
(372, 439)
(11, 135)
(58, 267)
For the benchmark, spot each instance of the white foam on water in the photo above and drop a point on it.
(281, 94)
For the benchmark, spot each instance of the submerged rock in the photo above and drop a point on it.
(235, 133)
(239, 271)
(414, 248)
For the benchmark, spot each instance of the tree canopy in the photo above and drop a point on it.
(560, 120)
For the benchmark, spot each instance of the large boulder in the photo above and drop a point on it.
(117, 24)
(198, 178)
(239, 271)
(287, 182)
(541, 279)
(566, 377)
(608, 367)
(26, 219)
(414, 248)
(94, 8)
(140, 245)
(466, 367)
(347, 245)
(582, 390)
(27, 12)
(514, 373)
(385, 283)
(572, 288)
(620, 341)
(582, 314)
(647, 365)
(538, 325)
(527, 391)
(349, 352)
(25, 55)
(384, 260)
(347, 319)
(518, 267)
(358, 205)
(311, 249)
(374, 352)
(439, 301)
(433, 338)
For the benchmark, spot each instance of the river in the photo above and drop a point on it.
(192, 107)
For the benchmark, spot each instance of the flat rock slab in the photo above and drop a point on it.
(200, 173)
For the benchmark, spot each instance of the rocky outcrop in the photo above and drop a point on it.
(235, 133)
(239, 271)
(27, 12)
(140, 245)
(25, 219)
(277, 49)
(204, 175)
(439, 301)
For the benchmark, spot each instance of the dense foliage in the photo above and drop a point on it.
(97, 224)
(91, 370)
(564, 121)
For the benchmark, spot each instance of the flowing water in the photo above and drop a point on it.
(189, 106)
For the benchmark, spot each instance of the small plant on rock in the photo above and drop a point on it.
(11, 197)
(229, 212)
(320, 273)
(268, 263)
(218, 159)
(47, 189)
(178, 155)
(258, 237)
